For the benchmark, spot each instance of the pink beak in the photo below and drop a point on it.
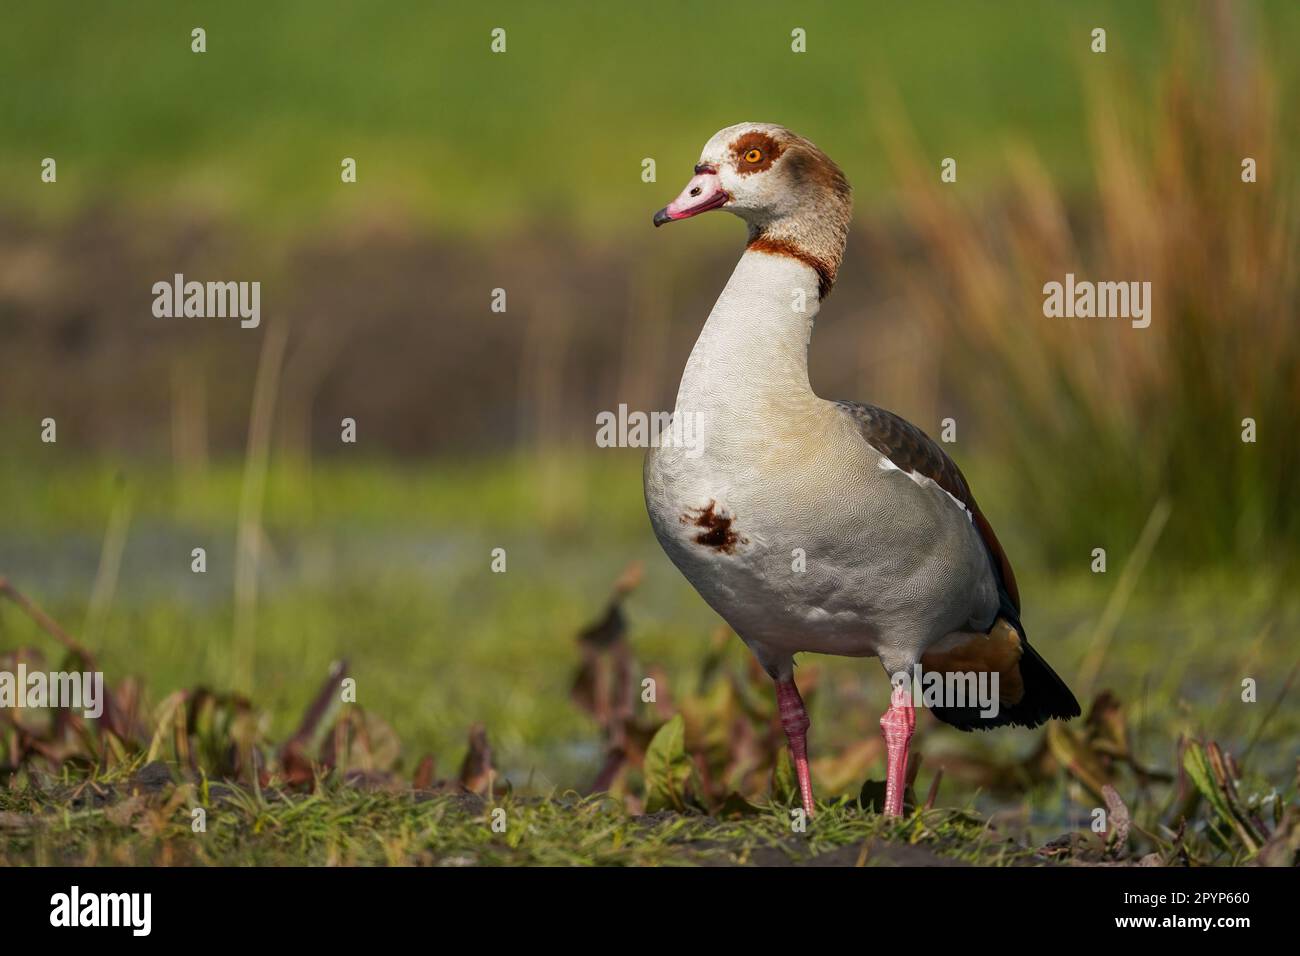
(702, 193)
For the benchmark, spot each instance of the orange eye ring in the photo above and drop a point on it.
(754, 155)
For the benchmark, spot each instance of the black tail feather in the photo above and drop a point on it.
(1045, 695)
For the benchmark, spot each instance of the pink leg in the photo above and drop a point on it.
(794, 719)
(898, 723)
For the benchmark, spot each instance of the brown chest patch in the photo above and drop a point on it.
(717, 532)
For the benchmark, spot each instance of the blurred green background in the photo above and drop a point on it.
(459, 139)
(523, 171)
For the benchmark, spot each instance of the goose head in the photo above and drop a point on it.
(791, 195)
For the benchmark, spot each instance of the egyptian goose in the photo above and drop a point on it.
(819, 526)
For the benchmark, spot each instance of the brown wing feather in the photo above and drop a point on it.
(913, 450)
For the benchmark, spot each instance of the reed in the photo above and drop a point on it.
(1092, 421)
(250, 535)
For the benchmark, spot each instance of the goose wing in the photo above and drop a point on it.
(913, 450)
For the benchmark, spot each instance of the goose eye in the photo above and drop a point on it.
(753, 156)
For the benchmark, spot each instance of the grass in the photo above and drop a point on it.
(441, 128)
(437, 643)
(67, 492)
(115, 821)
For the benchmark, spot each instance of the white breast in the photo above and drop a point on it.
(784, 519)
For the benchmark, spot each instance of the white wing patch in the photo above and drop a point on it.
(925, 481)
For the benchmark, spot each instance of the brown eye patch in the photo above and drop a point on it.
(755, 151)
